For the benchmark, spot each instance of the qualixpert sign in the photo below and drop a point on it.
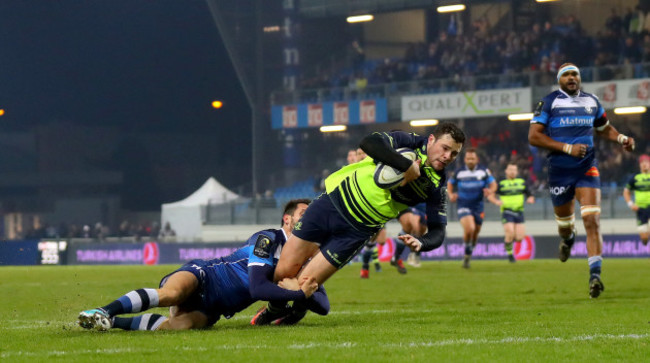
(466, 104)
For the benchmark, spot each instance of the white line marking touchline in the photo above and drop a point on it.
(342, 345)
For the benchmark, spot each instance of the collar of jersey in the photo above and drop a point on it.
(430, 172)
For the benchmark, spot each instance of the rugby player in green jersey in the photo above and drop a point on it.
(513, 192)
(337, 224)
(640, 184)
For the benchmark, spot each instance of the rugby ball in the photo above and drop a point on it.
(387, 177)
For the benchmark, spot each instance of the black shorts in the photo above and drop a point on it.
(339, 240)
(197, 301)
(509, 216)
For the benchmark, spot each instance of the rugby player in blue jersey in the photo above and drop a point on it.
(563, 123)
(468, 186)
(338, 223)
(201, 291)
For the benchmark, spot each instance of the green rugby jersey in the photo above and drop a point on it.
(513, 193)
(640, 183)
(355, 194)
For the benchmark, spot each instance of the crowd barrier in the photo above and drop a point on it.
(46, 252)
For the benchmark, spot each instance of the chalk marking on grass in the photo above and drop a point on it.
(342, 345)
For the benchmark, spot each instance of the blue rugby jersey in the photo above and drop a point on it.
(469, 185)
(570, 119)
(229, 283)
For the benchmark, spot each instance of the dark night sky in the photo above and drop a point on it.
(146, 65)
(142, 66)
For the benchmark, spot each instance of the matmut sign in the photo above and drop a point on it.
(467, 104)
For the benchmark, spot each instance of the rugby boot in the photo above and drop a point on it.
(595, 286)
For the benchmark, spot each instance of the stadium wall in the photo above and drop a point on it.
(155, 253)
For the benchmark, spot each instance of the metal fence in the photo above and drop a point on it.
(538, 80)
(612, 204)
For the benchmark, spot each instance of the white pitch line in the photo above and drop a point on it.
(343, 345)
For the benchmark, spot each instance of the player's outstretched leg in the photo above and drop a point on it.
(140, 322)
(95, 319)
(133, 302)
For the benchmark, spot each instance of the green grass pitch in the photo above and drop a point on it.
(529, 311)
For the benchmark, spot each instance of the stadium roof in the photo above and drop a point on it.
(324, 8)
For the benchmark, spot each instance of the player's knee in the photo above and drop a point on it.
(590, 216)
(644, 229)
(565, 224)
(591, 223)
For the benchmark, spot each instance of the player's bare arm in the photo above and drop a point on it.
(453, 197)
(537, 137)
(610, 133)
(412, 173)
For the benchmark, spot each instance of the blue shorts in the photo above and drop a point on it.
(509, 216)
(199, 299)
(417, 212)
(642, 216)
(339, 240)
(563, 183)
(477, 213)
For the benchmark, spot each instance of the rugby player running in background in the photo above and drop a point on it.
(337, 224)
(201, 291)
(640, 184)
(563, 123)
(512, 192)
(467, 187)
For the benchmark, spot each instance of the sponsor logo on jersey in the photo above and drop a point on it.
(558, 190)
(538, 108)
(576, 121)
(298, 225)
(262, 247)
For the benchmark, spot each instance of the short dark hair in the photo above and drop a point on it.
(471, 150)
(454, 131)
(291, 207)
(512, 163)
